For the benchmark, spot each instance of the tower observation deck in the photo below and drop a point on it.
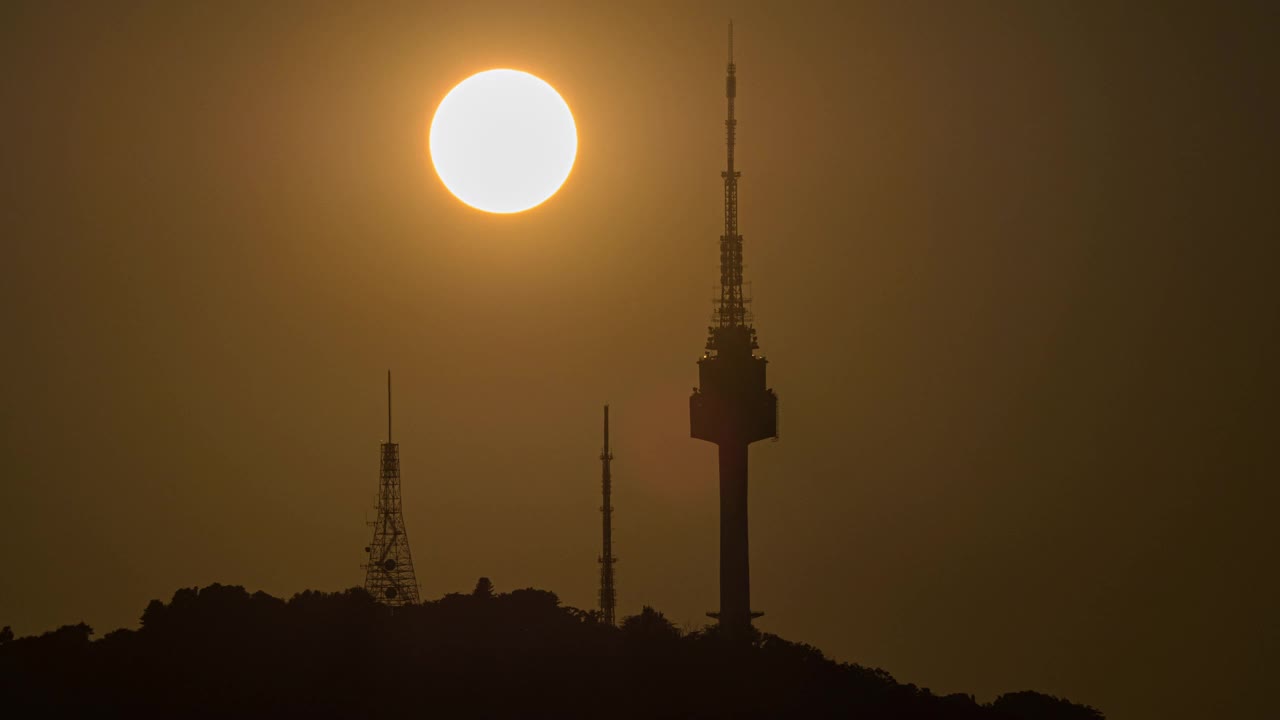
(732, 405)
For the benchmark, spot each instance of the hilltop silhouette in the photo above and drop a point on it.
(221, 651)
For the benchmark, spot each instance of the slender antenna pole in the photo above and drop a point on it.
(608, 593)
(388, 406)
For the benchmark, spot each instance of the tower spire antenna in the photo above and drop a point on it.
(388, 406)
(730, 41)
(731, 316)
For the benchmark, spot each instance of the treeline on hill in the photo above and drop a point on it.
(221, 651)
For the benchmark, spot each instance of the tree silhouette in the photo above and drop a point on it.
(649, 626)
(1029, 705)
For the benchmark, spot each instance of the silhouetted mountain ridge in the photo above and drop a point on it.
(222, 651)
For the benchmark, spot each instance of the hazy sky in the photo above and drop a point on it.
(1014, 267)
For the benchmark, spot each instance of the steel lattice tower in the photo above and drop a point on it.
(732, 406)
(389, 573)
(608, 594)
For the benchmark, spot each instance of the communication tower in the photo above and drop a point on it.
(389, 573)
(608, 594)
(732, 405)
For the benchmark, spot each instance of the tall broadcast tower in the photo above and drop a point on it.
(732, 406)
(389, 575)
(608, 595)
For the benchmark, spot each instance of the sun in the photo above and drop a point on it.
(503, 141)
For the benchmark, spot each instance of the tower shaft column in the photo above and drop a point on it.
(735, 570)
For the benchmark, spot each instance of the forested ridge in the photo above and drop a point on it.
(221, 651)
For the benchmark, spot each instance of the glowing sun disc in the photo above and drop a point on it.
(503, 141)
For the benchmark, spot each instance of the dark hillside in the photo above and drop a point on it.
(220, 651)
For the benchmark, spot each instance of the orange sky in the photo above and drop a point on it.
(1012, 262)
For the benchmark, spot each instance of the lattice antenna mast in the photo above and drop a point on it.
(608, 594)
(730, 309)
(389, 575)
